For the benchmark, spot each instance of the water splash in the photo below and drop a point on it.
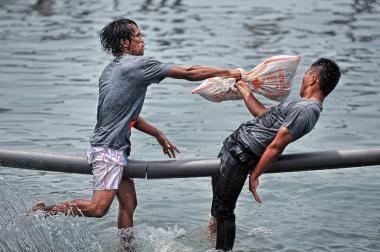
(148, 238)
(23, 231)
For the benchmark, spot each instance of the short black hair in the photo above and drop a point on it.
(329, 74)
(114, 32)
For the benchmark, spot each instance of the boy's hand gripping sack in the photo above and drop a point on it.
(272, 78)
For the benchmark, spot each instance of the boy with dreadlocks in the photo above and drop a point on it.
(122, 89)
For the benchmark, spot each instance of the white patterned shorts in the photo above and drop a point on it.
(107, 167)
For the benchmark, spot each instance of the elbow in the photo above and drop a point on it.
(189, 77)
(191, 74)
(138, 124)
(257, 113)
(276, 149)
(186, 74)
(196, 73)
(261, 112)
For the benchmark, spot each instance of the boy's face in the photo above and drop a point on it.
(308, 78)
(136, 46)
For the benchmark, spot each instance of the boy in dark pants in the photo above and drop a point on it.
(260, 141)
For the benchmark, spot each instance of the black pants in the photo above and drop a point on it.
(226, 188)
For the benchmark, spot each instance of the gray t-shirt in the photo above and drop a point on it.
(122, 90)
(299, 117)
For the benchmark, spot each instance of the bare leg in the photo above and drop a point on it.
(211, 230)
(98, 206)
(127, 203)
(211, 227)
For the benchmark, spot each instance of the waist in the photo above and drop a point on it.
(238, 148)
(108, 155)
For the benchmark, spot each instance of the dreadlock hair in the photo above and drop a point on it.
(329, 74)
(113, 33)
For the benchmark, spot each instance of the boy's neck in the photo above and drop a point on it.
(317, 97)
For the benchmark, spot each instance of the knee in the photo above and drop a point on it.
(127, 199)
(226, 214)
(98, 211)
(134, 205)
(129, 208)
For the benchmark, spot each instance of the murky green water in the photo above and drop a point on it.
(50, 60)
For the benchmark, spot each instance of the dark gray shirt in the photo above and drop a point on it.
(122, 89)
(299, 117)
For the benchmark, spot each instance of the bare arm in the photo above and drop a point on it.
(271, 153)
(167, 147)
(196, 73)
(253, 105)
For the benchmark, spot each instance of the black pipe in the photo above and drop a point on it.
(191, 168)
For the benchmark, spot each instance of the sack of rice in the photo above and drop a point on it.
(272, 78)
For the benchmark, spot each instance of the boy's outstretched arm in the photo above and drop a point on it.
(167, 147)
(196, 73)
(253, 105)
(271, 153)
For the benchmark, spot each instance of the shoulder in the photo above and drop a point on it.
(313, 107)
(133, 59)
(306, 110)
(107, 70)
(303, 104)
(146, 60)
(291, 106)
(108, 67)
(138, 63)
(309, 103)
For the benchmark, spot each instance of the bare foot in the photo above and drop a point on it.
(211, 230)
(211, 227)
(39, 206)
(127, 239)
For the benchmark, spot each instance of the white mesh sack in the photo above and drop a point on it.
(272, 78)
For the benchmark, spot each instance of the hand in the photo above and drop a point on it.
(236, 73)
(243, 88)
(253, 184)
(167, 147)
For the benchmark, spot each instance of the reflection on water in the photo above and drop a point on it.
(44, 7)
(364, 6)
(152, 6)
(50, 64)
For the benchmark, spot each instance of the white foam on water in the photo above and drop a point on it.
(260, 232)
(158, 239)
(21, 230)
